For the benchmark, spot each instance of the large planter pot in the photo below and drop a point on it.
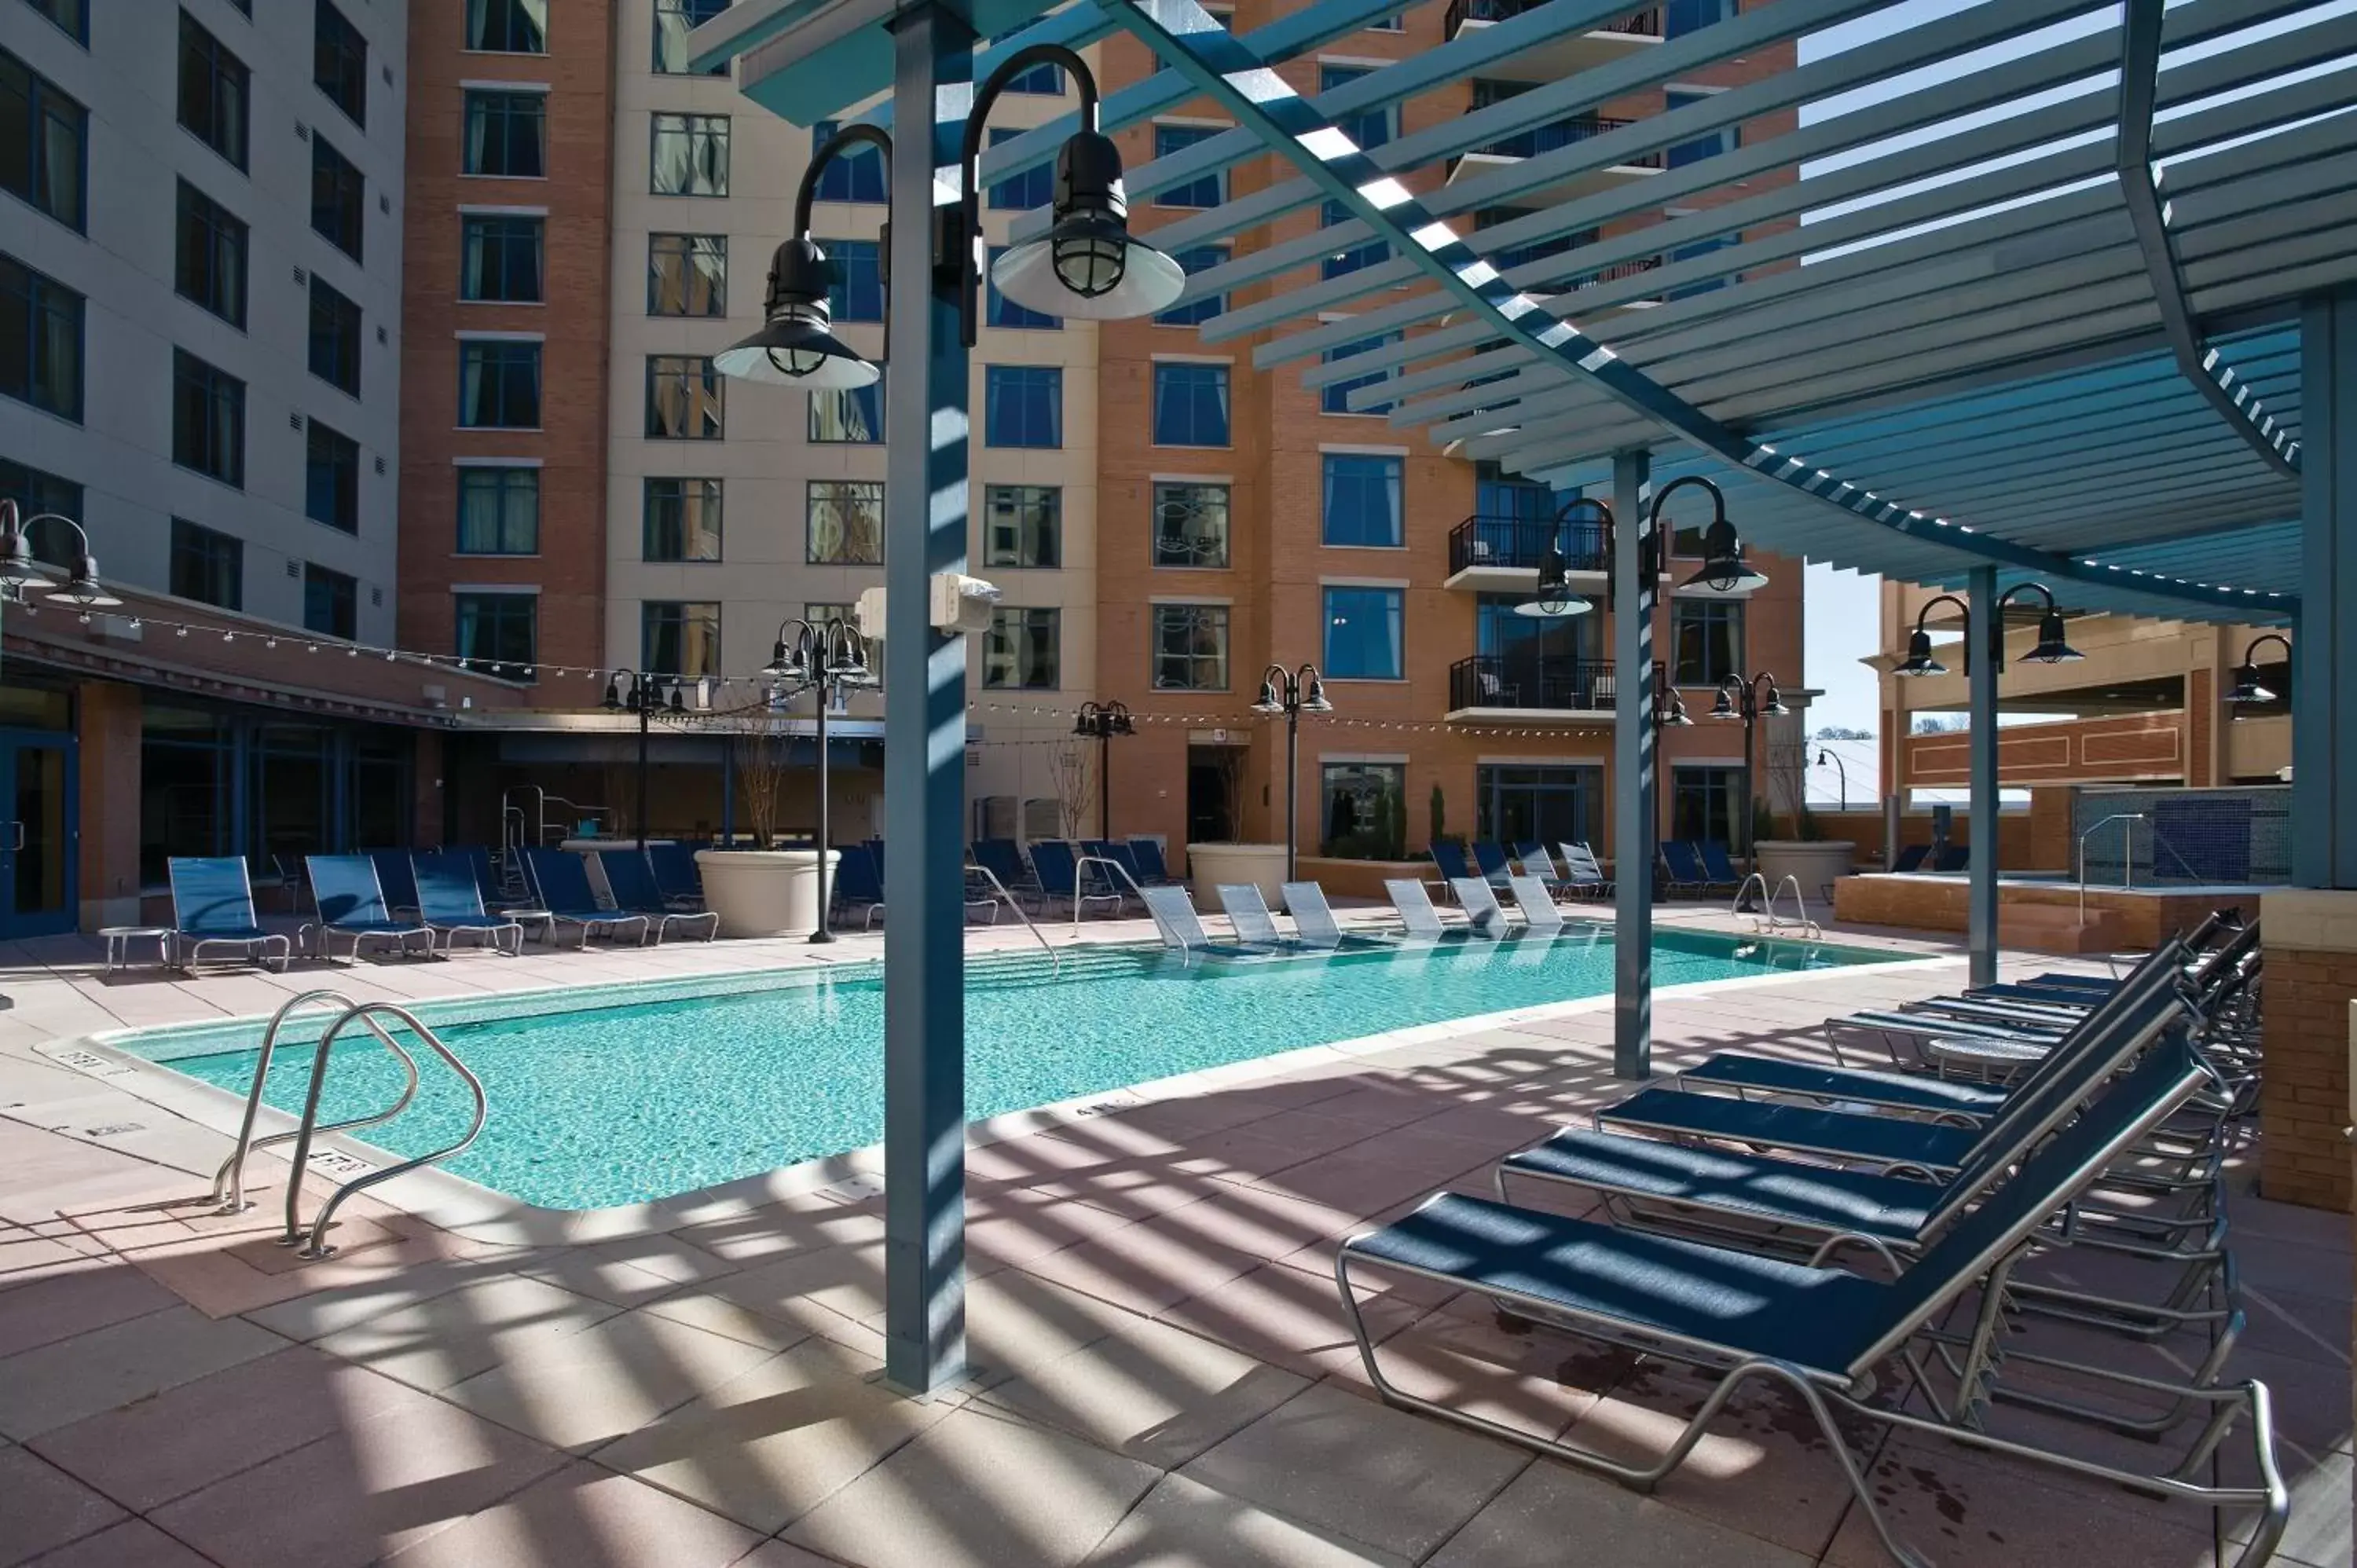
(1262, 865)
(764, 892)
(1817, 863)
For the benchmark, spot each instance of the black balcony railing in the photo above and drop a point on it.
(1532, 681)
(1559, 134)
(1519, 542)
(1648, 22)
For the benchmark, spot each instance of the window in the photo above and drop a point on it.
(338, 195)
(1191, 406)
(674, 20)
(335, 338)
(213, 92)
(1363, 499)
(687, 275)
(682, 398)
(1191, 526)
(1024, 406)
(36, 492)
(1724, 139)
(1513, 256)
(208, 419)
(1365, 254)
(1035, 187)
(207, 566)
(500, 258)
(1364, 807)
(210, 267)
(498, 384)
(846, 522)
(1190, 648)
(1700, 248)
(855, 176)
(1706, 642)
(508, 27)
(854, 289)
(1683, 16)
(1001, 311)
(1701, 802)
(499, 512)
(1021, 651)
(1550, 805)
(500, 631)
(691, 155)
(1023, 525)
(41, 340)
(1371, 128)
(73, 16)
(44, 141)
(682, 521)
(854, 415)
(331, 478)
(507, 135)
(1195, 312)
(330, 602)
(680, 640)
(1334, 396)
(1206, 189)
(1394, 23)
(1362, 634)
(340, 62)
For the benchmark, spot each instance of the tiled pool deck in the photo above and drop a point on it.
(1161, 1374)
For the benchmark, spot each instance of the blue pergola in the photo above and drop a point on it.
(2042, 291)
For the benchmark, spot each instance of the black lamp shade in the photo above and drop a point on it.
(1314, 700)
(1724, 570)
(1089, 266)
(1919, 661)
(1269, 702)
(2051, 648)
(2246, 688)
(17, 567)
(84, 588)
(796, 345)
(613, 695)
(1724, 707)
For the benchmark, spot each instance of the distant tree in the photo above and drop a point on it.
(1836, 732)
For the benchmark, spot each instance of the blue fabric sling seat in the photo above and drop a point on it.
(1759, 1186)
(450, 900)
(1888, 1091)
(352, 903)
(213, 906)
(560, 878)
(631, 880)
(1885, 1140)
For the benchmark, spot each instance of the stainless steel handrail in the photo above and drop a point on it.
(1055, 960)
(1772, 923)
(364, 1012)
(2127, 854)
(1080, 863)
(1745, 891)
(229, 1182)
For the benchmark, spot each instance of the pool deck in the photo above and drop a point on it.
(1161, 1375)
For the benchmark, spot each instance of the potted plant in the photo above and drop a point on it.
(763, 891)
(1815, 861)
(1210, 865)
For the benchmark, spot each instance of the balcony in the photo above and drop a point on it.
(1532, 687)
(1553, 136)
(1501, 553)
(1563, 54)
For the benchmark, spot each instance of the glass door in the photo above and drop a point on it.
(39, 833)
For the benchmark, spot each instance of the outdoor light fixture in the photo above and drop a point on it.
(826, 657)
(1919, 659)
(1741, 699)
(1105, 721)
(1724, 570)
(796, 345)
(1292, 692)
(19, 570)
(643, 700)
(1088, 266)
(2050, 649)
(2246, 689)
(1669, 708)
(1555, 600)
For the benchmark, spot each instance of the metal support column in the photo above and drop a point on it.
(728, 791)
(1986, 635)
(2324, 644)
(924, 726)
(1635, 588)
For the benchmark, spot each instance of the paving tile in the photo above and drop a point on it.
(584, 1515)
(44, 1311)
(146, 1454)
(608, 1379)
(133, 1543)
(1016, 1226)
(1141, 1268)
(775, 1232)
(1527, 1525)
(779, 1554)
(1289, 1318)
(766, 1448)
(362, 1493)
(435, 1343)
(1380, 1476)
(341, 1306)
(26, 1257)
(2319, 1529)
(1183, 1523)
(979, 1490)
(1461, 1356)
(59, 1383)
(45, 1508)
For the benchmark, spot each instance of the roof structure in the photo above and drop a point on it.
(2020, 285)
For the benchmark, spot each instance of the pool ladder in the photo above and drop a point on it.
(1770, 921)
(229, 1182)
(999, 889)
(1116, 873)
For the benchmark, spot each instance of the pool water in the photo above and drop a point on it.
(604, 1096)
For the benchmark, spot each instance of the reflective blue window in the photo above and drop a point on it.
(1365, 254)
(1370, 128)
(1195, 312)
(1035, 187)
(856, 177)
(1363, 499)
(856, 291)
(1701, 147)
(1700, 248)
(1682, 16)
(1001, 311)
(1335, 397)
(1191, 406)
(1362, 634)
(1205, 189)
(1025, 405)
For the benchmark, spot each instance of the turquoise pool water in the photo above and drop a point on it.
(612, 1095)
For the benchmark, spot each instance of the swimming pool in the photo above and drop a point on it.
(612, 1095)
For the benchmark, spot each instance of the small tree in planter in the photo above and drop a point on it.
(1075, 772)
(1437, 809)
(761, 765)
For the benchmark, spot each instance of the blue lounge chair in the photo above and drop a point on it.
(1152, 870)
(1058, 872)
(560, 880)
(1953, 857)
(1002, 858)
(1536, 900)
(1491, 860)
(1583, 873)
(875, 848)
(1448, 859)
(1717, 865)
(489, 890)
(859, 883)
(450, 900)
(675, 874)
(352, 904)
(1682, 869)
(633, 883)
(1175, 918)
(1314, 925)
(394, 879)
(1480, 902)
(213, 906)
(1912, 858)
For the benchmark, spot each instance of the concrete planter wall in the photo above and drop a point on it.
(764, 892)
(1209, 864)
(1362, 878)
(1817, 864)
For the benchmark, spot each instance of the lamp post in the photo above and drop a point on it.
(1825, 754)
(2247, 690)
(20, 572)
(1292, 692)
(827, 658)
(643, 700)
(1741, 699)
(1105, 721)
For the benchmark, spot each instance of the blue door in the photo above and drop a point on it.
(40, 834)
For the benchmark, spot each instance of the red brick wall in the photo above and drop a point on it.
(2304, 1098)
